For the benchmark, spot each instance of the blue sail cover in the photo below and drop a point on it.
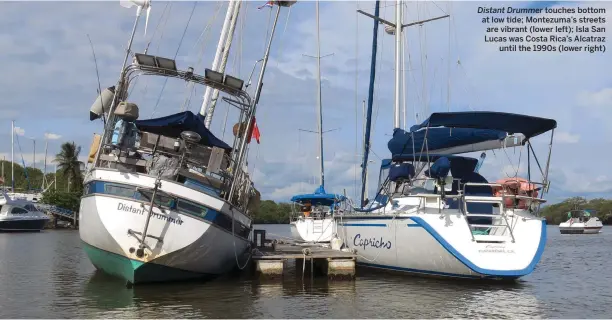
(459, 166)
(501, 121)
(174, 124)
(439, 138)
(319, 197)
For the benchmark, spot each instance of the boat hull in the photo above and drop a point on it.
(592, 226)
(313, 230)
(178, 246)
(580, 230)
(442, 246)
(23, 225)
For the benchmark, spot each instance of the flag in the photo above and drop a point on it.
(1, 179)
(268, 4)
(255, 133)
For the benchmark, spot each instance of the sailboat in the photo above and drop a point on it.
(433, 213)
(313, 220)
(30, 195)
(165, 199)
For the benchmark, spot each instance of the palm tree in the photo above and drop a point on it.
(68, 163)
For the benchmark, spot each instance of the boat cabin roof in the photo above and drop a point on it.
(319, 197)
(511, 123)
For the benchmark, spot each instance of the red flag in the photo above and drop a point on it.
(255, 133)
(268, 4)
(2, 178)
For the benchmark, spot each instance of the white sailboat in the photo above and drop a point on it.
(313, 220)
(165, 199)
(29, 195)
(434, 214)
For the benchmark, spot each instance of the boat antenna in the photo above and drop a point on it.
(93, 52)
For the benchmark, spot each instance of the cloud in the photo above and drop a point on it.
(52, 136)
(597, 99)
(566, 137)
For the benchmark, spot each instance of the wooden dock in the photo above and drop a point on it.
(271, 256)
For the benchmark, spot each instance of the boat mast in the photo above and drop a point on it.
(398, 54)
(45, 165)
(320, 108)
(225, 41)
(108, 125)
(243, 145)
(228, 44)
(368, 125)
(12, 156)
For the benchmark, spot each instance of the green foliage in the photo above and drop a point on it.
(557, 213)
(66, 200)
(21, 183)
(271, 212)
(68, 164)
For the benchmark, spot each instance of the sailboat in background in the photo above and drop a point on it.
(29, 195)
(313, 221)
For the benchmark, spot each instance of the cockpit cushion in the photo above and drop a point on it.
(401, 171)
(439, 169)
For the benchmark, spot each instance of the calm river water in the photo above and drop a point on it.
(47, 275)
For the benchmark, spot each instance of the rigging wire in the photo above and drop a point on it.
(144, 90)
(265, 111)
(195, 3)
(203, 37)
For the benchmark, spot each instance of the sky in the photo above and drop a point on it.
(49, 81)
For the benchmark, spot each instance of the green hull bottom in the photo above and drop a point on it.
(134, 271)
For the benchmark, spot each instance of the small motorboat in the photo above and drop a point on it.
(581, 222)
(20, 215)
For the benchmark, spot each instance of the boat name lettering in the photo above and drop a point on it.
(495, 249)
(372, 242)
(137, 210)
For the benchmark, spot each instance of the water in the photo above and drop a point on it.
(47, 275)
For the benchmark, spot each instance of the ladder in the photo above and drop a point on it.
(317, 226)
(501, 218)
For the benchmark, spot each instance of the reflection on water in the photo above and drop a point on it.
(47, 275)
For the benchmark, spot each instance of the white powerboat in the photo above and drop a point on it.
(580, 222)
(20, 215)
(165, 199)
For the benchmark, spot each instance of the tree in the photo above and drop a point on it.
(69, 165)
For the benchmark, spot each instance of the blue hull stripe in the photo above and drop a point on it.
(363, 224)
(184, 206)
(486, 272)
(409, 270)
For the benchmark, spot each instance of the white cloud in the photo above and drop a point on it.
(52, 136)
(566, 137)
(596, 99)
